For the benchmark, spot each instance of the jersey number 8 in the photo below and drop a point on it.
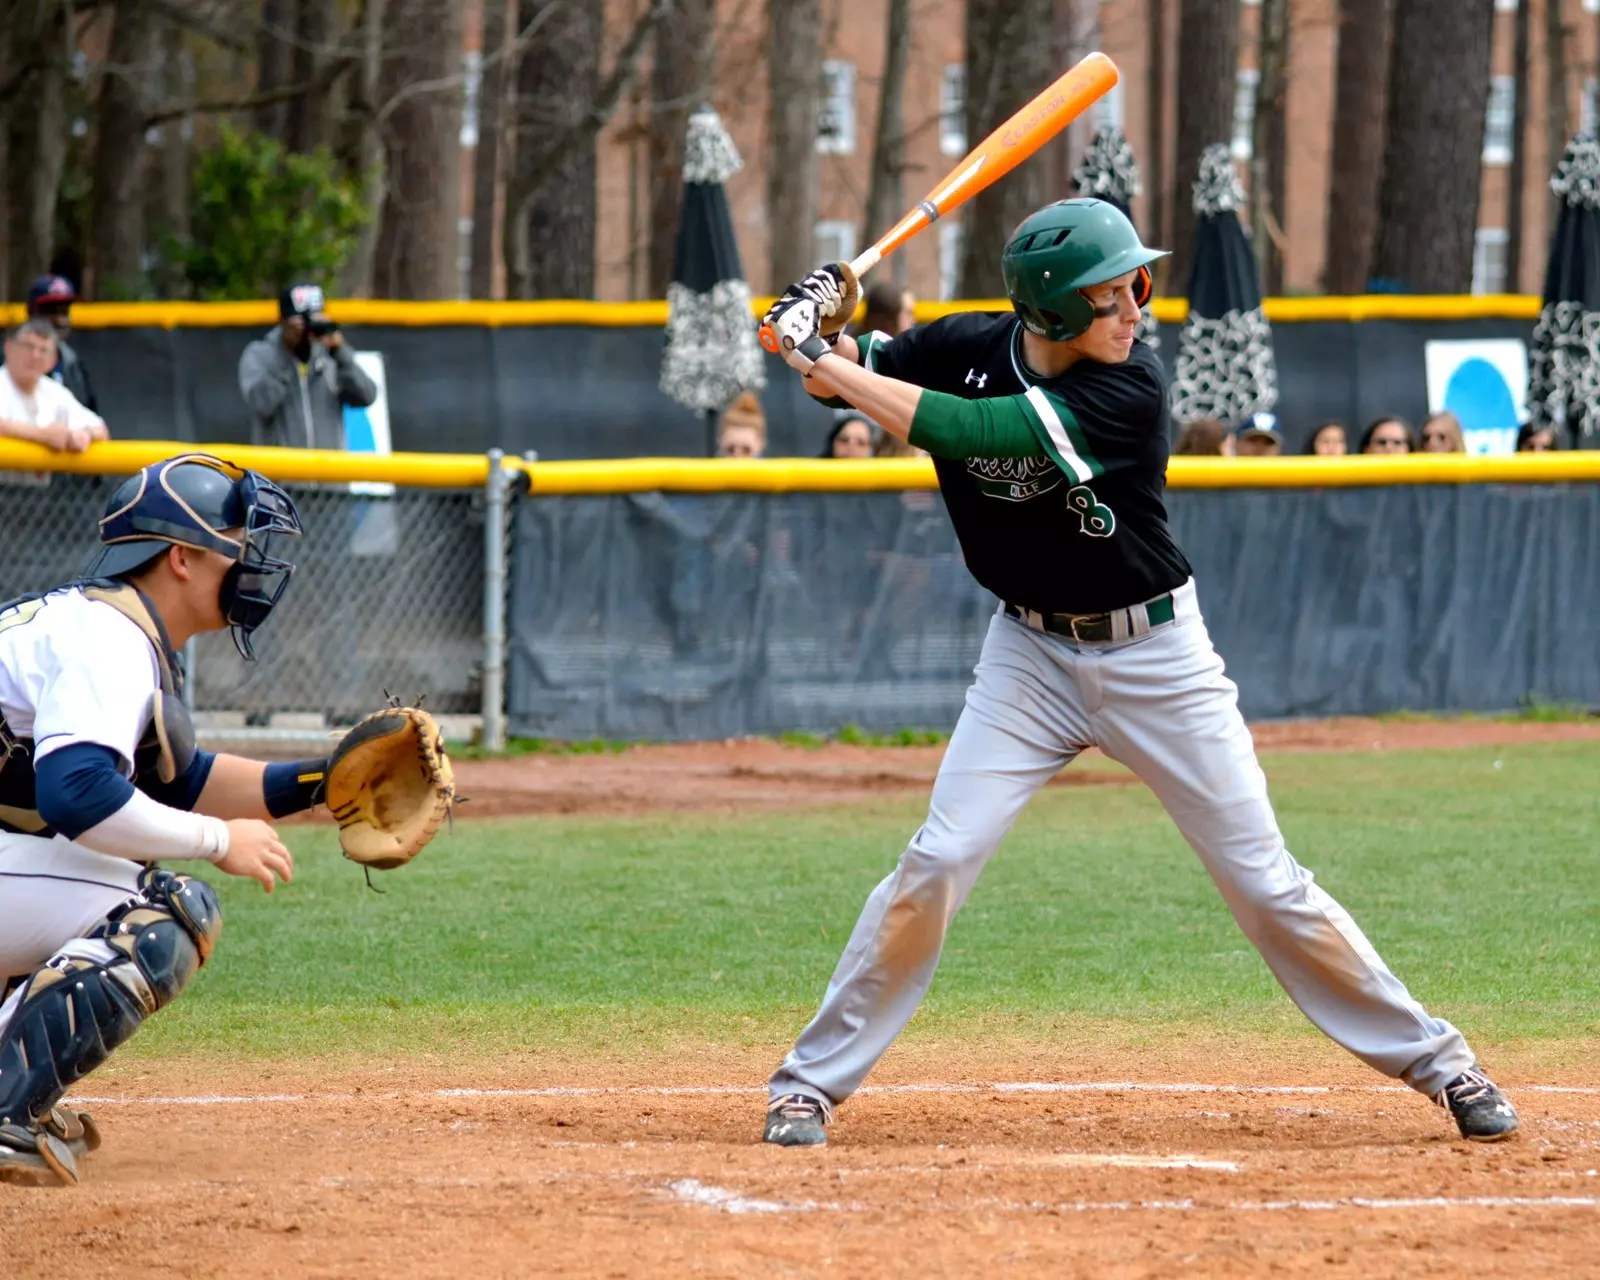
(1097, 520)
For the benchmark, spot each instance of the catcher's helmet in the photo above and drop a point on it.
(1064, 248)
(195, 500)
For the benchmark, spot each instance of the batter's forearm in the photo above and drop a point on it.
(846, 349)
(887, 401)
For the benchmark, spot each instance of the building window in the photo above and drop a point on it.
(472, 72)
(1108, 111)
(953, 109)
(1501, 122)
(834, 240)
(1244, 113)
(949, 259)
(836, 122)
(1489, 260)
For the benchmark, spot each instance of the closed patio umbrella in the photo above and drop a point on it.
(1564, 354)
(1225, 366)
(712, 353)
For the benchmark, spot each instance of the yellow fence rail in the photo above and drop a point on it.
(788, 475)
(263, 314)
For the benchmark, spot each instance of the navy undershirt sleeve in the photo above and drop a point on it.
(79, 787)
(183, 792)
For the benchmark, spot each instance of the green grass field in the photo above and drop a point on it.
(1474, 871)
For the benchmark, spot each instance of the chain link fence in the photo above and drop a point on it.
(388, 595)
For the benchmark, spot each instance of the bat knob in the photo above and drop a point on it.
(769, 338)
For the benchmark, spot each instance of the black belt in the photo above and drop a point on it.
(1097, 628)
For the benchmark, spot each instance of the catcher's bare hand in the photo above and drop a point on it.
(255, 851)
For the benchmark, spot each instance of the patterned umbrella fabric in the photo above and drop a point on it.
(1225, 367)
(1109, 172)
(712, 353)
(1564, 355)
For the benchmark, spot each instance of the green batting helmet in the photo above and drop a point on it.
(1066, 247)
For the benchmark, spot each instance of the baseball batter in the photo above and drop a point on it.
(1048, 431)
(100, 776)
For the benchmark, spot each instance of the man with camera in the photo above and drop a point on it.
(298, 378)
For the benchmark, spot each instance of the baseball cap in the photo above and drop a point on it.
(1261, 424)
(49, 289)
(301, 300)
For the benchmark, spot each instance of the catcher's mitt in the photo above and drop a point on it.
(389, 787)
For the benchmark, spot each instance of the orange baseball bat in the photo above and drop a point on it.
(997, 155)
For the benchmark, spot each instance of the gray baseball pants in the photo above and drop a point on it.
(1160, 704)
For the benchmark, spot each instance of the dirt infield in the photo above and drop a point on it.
(1231, 1161)
(757, 773)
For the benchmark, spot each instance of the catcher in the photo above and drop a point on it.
(100, 777)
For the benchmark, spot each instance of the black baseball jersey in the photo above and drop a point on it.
(1081, 527)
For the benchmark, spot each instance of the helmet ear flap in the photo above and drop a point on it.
(1144, 286)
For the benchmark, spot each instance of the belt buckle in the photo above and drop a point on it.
(1072, 625)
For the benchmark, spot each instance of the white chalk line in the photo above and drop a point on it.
(715, 1090)
(724, 1200)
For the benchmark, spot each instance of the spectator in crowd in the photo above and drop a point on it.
(33, 406)
(50, 298)
(1328, 441)
(1258, 437)
(1532, 439)
(742, 433)
(1441, 433)
(851, 437)
(889, 309)
(1389, 435)
(298, 378)
(1204, 437)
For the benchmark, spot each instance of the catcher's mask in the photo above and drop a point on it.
(192, 501)
(1063, 249)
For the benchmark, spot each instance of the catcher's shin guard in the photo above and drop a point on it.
(97, 991)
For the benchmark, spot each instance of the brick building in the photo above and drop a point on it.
(853, 41)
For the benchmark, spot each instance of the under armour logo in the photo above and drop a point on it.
(974, 378)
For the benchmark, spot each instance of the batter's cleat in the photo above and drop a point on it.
(797, 1120)
(1482, 1112)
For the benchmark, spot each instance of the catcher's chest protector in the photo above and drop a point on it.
(168, 745)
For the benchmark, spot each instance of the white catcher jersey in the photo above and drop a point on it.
(75, 670)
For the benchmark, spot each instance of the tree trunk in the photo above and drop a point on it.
(1267, 145)
(275, 63)
(421, 90)
(36, 36)
(1361, 95)
(486, 162)
(172, 216)
(680, 80)
(794, 69)
(357, 281)
(551, 210)
(886, 193)
(116, 238)
(309, 123)
(1006, 66)
(1208, 76)
(1517, 171)
(1433, 162)
(1155, 168)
